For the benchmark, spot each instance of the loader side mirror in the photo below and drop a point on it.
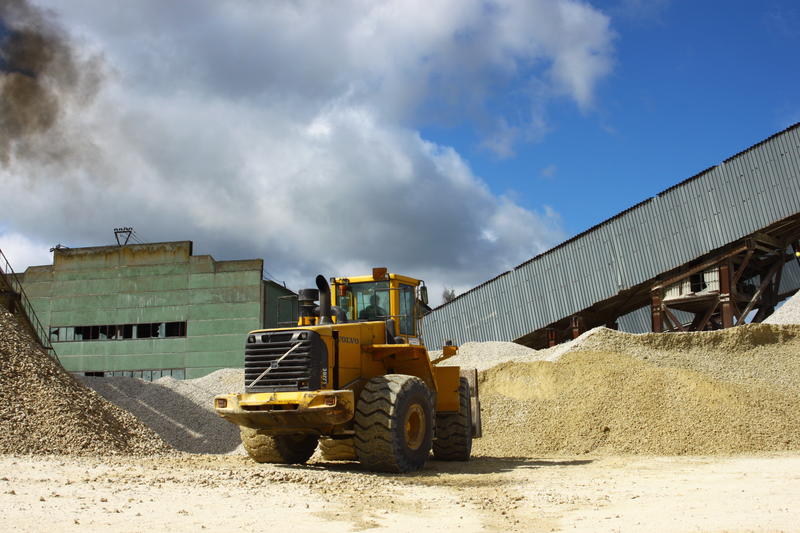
(423, 294)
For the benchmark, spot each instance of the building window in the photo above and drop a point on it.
(175, 329)
(150, 330)
(146, 375)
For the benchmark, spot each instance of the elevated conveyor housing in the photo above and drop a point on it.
(608, 273)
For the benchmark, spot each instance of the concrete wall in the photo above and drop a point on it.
(163, 282)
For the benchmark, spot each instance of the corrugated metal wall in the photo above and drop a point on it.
(745, 193)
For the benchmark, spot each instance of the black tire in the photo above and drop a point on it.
(394, 424)
(337, 449)
(453, 440)
(285, 449)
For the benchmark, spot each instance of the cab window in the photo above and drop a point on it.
(371, 300)
(407, 322)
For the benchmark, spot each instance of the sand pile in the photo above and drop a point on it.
(753, 353)
(696, 393)
(44, 410)
(180, 412)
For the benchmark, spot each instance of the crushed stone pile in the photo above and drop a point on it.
(485, 355)
(181, 412)
(788, 313)
(44, 410)
(730, 391)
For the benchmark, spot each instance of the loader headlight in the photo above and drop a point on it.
(220, 403)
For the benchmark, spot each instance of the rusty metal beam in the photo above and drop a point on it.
(699, 268)
(552, 339)
(699, 324)
(575, 326)
(725, 294)
(770, 241)
(657, 320)
(742, 268)
(757, 296)
(673, 319)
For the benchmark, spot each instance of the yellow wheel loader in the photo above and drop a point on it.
(354, 377)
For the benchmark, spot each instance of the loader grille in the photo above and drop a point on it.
(283, 361)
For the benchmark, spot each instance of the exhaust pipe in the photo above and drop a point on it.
(324, 300)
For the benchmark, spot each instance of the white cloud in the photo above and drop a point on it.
(22, 252)
(289, 131)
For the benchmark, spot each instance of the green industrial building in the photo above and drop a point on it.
(152, 310)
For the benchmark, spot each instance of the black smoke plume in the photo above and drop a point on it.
(40, 75)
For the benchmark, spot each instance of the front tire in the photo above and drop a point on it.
(453, 441)
(394, 424)
(284, 449)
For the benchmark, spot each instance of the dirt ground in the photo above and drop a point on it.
(211, 492)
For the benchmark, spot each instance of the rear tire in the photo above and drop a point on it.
(394, 424)
(453, 441)
(284, 449)
(337, 449)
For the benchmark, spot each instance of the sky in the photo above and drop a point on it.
(448, 140)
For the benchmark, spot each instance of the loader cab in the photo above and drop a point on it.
(383, 296)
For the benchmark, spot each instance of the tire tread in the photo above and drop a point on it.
(453, 439)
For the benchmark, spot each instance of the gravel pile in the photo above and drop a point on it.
(181, 412)
(728, 391)
(788, 313)
(607, 392)
(44, 410)
(485, 355)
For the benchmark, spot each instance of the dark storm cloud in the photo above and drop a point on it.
(39, 75)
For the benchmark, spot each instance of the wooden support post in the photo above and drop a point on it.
(725, 294)
(655, 310)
